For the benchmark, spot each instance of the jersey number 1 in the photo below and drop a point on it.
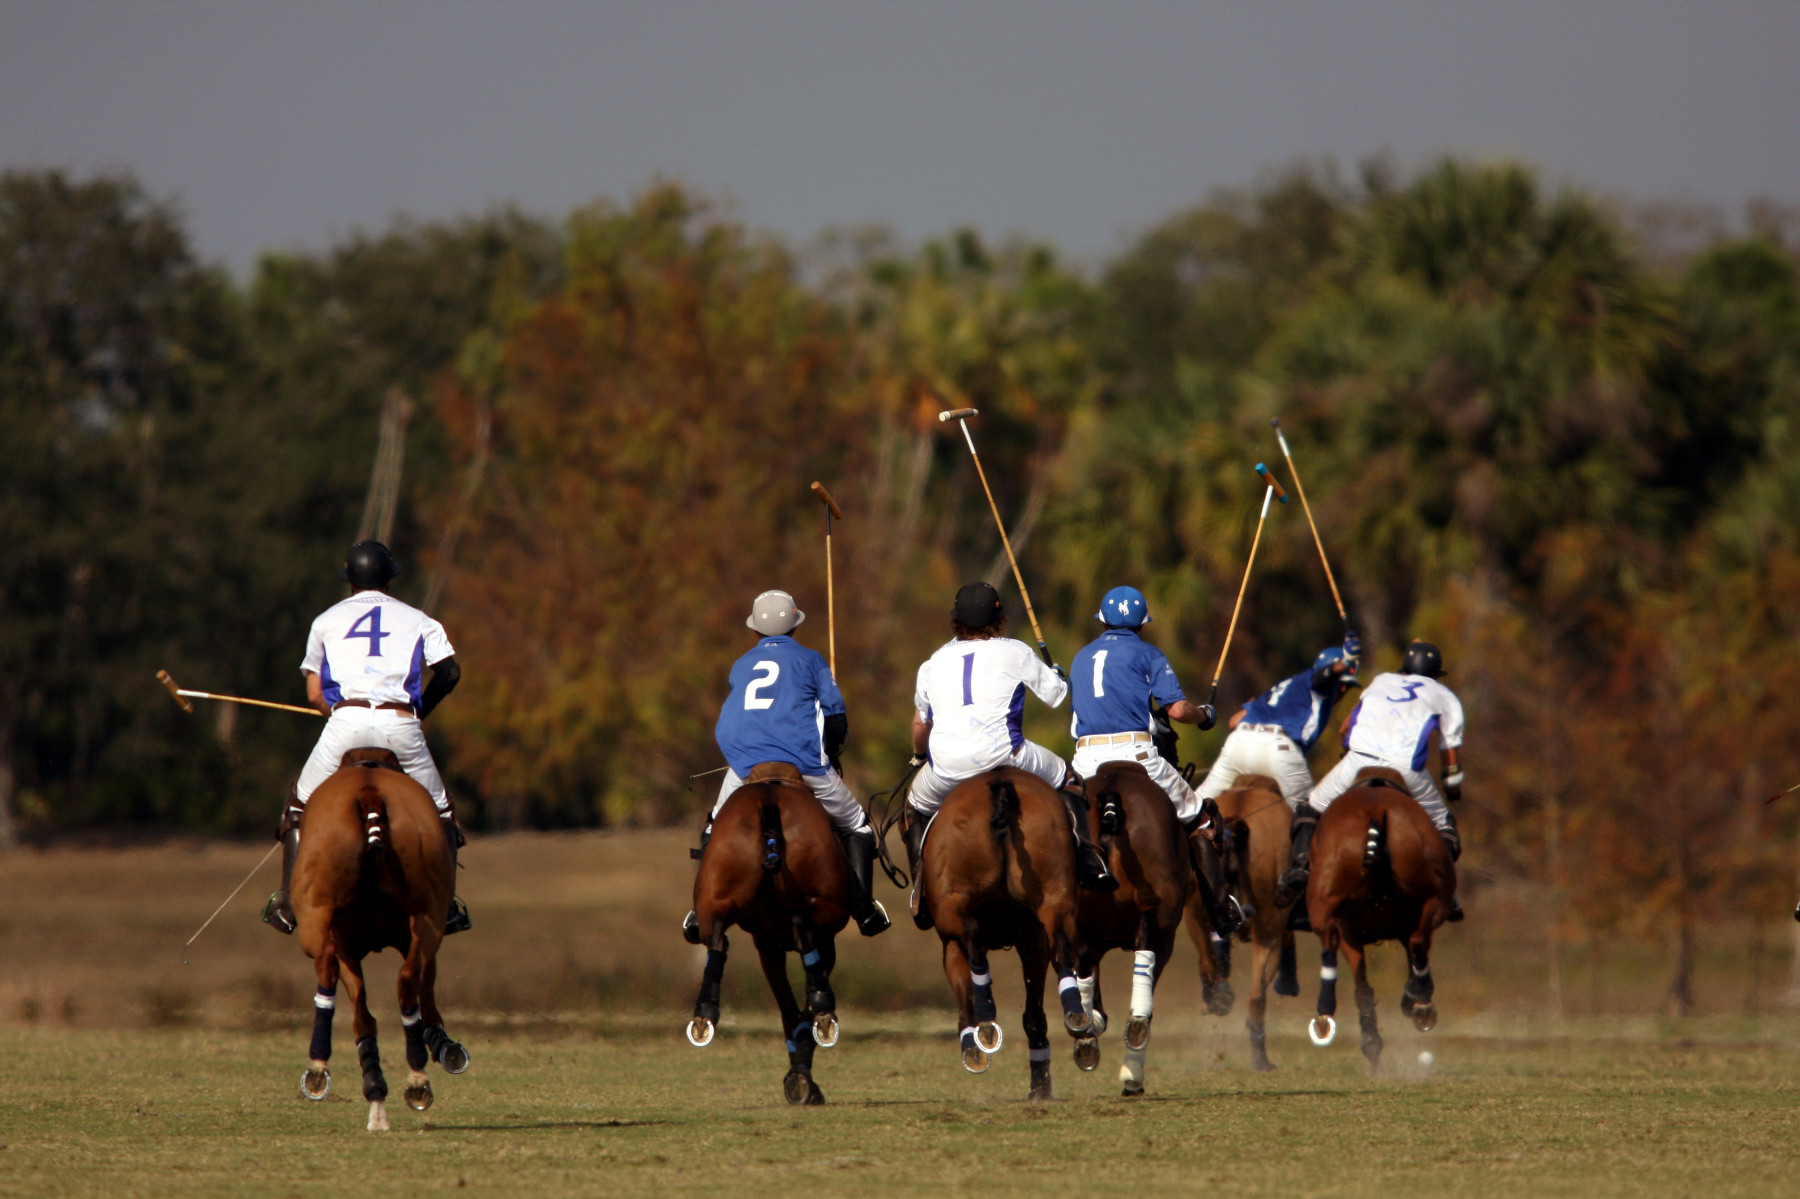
(1100, 674)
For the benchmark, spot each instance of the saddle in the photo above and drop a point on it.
(1382, 776)
(374, 757)
(777, 772)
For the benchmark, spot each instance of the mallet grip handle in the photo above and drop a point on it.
(958, 414)
(819, 490)
(1268, 477)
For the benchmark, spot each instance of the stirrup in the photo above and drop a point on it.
(872, 923)
(1092, 873)
(690, 928)
(458, 920)
(1292, 885)
(277, 914)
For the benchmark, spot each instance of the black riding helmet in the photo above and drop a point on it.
(368, 566)
(978, 606)
(1424, 658)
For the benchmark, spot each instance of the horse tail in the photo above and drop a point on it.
(773, 844)
(1111, 807)
(1375, 850)
(1005, 798)
(373, 809)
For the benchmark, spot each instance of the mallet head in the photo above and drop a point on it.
(162, 676)
(1271, 481)
(958, 414)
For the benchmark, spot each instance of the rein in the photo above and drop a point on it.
(885, 813)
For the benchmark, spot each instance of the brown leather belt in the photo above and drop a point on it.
(363, 703)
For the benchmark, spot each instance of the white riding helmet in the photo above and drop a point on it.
(774, 613)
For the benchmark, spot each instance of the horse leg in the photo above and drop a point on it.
(700, 1029)
(1151, 956)
(1323, 1029)
(1262, 965)
(368, 1052)
(1087, 981)
(818, 954)
(1415, 1000)
(961, 975)
(411, 985)
(798, 1085)
(445, 1052)
(315, 1084)
(1365, 1005)
(989, 1036)
(1034, 960)
(1215, 959)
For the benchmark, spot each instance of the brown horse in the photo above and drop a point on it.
(1380, 872)
(774, 868)
(997, 870)
(1134, 824)
(1257, 822)
(373, 873)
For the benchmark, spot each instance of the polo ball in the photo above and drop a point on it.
(1425, 1058)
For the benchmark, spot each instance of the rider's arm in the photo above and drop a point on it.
(444, 677)
(315, 693)
(1237, 718)
(921, 735)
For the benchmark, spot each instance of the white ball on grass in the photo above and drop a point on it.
(1425, 1058)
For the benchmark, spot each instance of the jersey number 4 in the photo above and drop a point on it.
(766, 674)
(373, 631)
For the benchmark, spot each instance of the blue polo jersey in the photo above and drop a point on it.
(781, 693)
(1112, 681)
(1301, 704)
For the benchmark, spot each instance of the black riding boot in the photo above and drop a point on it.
(1453, 842)
(278, 913)
(1090, 864)
(458, 919)
(865, 909)
(690, 924)
(1293, 883)
(1222, 909)
(914, 836)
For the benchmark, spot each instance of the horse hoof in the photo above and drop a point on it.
(1424, 1017)
(1078, 1024)
(1322, 1030)
(800, 1090)
(989, 1036)
(453, 1058)
(1132, 1090)
(1087, 1053)
(378, 1121)
(1262, 1065)
(315, 1084)
(419, 1098)
(825, 1030)
(1219, 998)
(700, 1032)
(1137, 1032)
(1096, 1023)
(974, 1060)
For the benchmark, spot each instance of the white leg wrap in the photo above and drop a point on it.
(1131, 1068)
(1143, 983)
(1086, 986)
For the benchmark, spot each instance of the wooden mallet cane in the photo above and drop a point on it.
(181, 695)
(831, 510)
(1273, 489)
(1337, 599)
(961, 416)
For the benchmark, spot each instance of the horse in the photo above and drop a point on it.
(1133, 822)
(1380, 872)
(774, 868)
(1257, 821)
(997, 869)
(374, 872)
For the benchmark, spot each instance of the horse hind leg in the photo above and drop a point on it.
(989, 1036)
(1416, 999)
(1365, 1006)
(797, 1086)
(315, 1083)
(1323, 1028)
(817, 956)
(1151, 955)
(368, 1051)
(1262, 965)
(445, 1052)
(1035, 962)
(411, 986)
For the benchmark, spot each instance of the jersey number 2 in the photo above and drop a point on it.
(767, 672)
(372, 632)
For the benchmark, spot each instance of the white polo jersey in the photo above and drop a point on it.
(1397, 715)
(375, 648)
(972, 693)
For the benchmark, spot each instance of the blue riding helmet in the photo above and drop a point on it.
(1335, 653)
(1123, 608)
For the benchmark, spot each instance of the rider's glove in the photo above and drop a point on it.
(916, 761)
(1453, 785)
(1060, 672)
(1352, 644)
(1207, 717)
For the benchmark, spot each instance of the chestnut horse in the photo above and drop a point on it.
(374, 872)
(1257, 821)
(774, 868)
(1380, 872)
(998, 870)
(1133, 822)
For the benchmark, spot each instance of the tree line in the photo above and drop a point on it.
(1571, 459)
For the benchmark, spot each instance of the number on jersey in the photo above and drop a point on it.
(372, 632)
(767, 672)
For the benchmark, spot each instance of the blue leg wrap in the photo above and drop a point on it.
(1328, 983)
(324, 1006)
(1070, 994)
(415, 1039)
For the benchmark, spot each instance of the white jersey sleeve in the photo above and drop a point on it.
(1451, 727)
(1045, 683)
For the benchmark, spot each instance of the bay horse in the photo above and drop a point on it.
(1380, 872)
(774, 867)
(374, 872)
(997, 870)
(1133, 821)
(1257, 827)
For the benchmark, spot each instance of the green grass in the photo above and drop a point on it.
(629, 1107)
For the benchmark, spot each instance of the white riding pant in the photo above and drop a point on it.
(847, 816)
(1419, 782)
(373, 728)
(930, 789)
(1257, 751)
(1090, 758)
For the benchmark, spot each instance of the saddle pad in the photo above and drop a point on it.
(375, 757)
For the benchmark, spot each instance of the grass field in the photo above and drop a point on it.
(129, 1073)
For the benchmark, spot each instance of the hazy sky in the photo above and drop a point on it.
(291, 124)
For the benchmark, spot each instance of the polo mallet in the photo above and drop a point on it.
(1773, 798)
(181, 696)
(234, 894)
(1273, 489)
(1337, 599)
(961, 416)
(831, 510)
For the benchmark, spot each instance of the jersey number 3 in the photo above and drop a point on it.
(766, 674)
(373, 631)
